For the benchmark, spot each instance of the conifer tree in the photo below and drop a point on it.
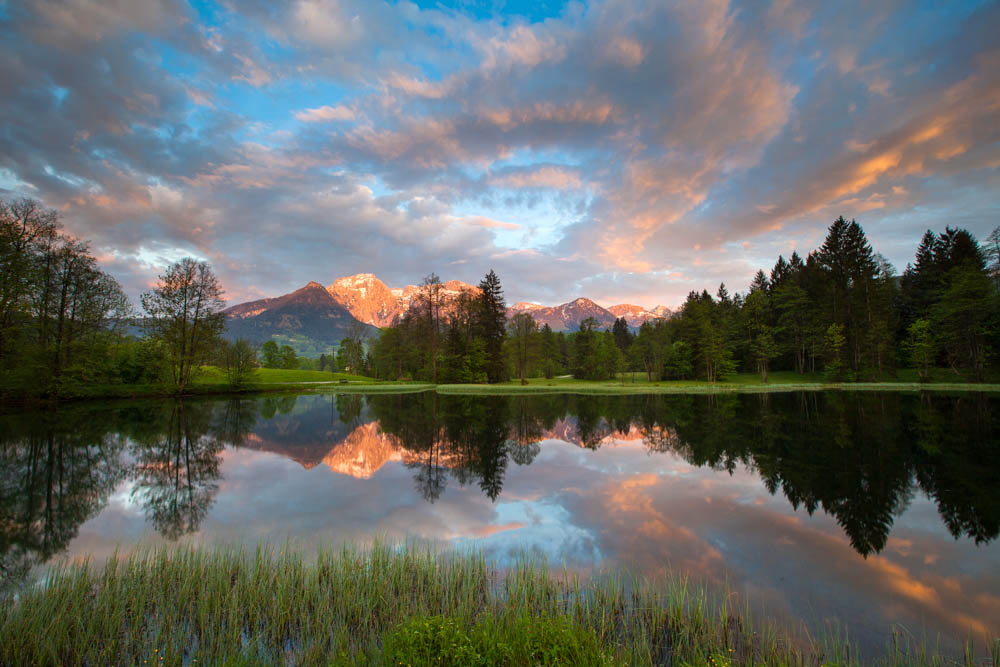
(493, 325)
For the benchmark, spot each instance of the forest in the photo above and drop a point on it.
(842, 312)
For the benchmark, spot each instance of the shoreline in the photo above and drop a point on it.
(134, 392)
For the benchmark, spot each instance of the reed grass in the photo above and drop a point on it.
(392, 605)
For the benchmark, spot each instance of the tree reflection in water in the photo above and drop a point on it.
(860, 457)
(55, 473)
(58, 468)
(177, 465)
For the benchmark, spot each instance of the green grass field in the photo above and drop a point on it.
(633, 383)
(212, 381)
(399, 606)
(211, 375)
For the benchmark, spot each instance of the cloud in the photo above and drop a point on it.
(620, 135)
(545, 176)
(480, 221)
(325, 114)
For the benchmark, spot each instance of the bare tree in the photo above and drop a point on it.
(185, 311)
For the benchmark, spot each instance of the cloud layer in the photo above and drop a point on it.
(625, 150)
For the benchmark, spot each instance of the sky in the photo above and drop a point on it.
(625, 151)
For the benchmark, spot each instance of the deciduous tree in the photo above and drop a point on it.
(185, 311)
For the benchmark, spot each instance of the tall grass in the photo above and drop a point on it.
(353, 606)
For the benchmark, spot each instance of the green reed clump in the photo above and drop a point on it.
(540, 642)
(386, 605)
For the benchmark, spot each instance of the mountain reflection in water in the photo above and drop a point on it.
(861, 458)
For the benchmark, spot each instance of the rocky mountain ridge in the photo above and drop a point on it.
(326, 314)
(373, 302)
(308, 312)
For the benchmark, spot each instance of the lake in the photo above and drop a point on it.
(862, 509)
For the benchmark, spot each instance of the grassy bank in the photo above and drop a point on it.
(635, 383)
(390, 606)
(212, 381)
(209, 381)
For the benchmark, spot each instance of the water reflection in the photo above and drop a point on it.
(176, 471)
(54, 475)
(859, 458)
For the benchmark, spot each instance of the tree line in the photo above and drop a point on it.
(65, 324)
(842, 312)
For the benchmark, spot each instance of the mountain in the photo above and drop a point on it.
(368, 299)
(637, 315)
(566, 317)
(371, 301)
(309, 312)
(317, 316)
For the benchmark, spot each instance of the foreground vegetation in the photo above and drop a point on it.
(394, 606)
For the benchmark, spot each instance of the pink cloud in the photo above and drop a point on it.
(325, 114)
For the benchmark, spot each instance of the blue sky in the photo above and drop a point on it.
(626, 151)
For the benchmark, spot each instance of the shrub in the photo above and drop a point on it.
(543, 642)
(430, 640)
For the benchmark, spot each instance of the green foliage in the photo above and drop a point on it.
(270, 357)
(586, 361)
(535, 642)
(142, 361)
(239, 360)
(61, 318)
(833, 350)
(679, 361)
(185, 312)
(967, 320)
(492, 324)
(764, 349)
(921, 347)
(431, 640)
(351, 354)
(522, 341)
(385, 606)
(287, 359)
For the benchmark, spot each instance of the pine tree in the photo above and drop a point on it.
(493, 325)
(623, 337)
(780, 273)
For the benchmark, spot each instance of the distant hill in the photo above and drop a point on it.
(308, 314)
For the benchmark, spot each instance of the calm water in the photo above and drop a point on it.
(867, 508)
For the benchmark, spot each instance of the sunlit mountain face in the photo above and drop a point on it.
(307, 311)
(623, 151)
(866, 507)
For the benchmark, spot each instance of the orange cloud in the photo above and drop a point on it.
(558, 178)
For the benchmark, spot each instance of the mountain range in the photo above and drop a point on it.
(324, 315)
